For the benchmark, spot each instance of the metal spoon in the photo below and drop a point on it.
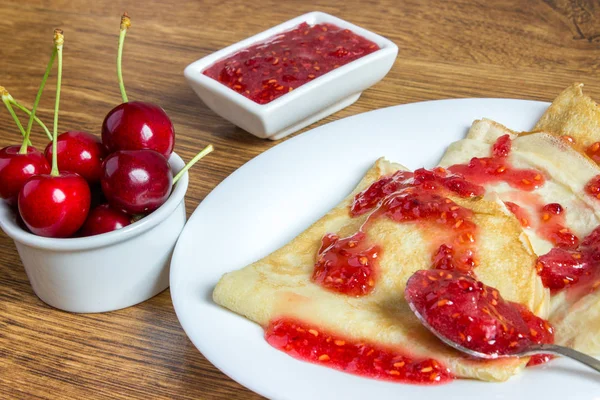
(530, 351)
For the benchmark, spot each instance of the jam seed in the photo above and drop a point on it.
(313, 332)
(339, 342)
(427, 369)
(443, 302)
(545, 216)
(533, 332)
(526, 181)
(393, 372)
(324, 357)
(399, 364)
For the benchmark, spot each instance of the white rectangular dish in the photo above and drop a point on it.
(305, 105)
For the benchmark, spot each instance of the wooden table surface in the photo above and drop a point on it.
(448, 49)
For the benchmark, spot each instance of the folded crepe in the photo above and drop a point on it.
(510, 236)
(280, 285)
(557, 148)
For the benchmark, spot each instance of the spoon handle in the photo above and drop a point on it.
(565, 351)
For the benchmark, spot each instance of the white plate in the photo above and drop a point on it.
(277, 195)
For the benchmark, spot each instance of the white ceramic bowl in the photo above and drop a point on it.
(306, 104)
(104, 272)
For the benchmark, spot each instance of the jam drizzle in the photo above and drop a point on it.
(268, 70)
(577, 267)
(475, 315)
(356, 357)
(348, 265)
(496, 168)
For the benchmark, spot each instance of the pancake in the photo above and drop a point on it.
(573, 114)
(280, 286)
(567, 170)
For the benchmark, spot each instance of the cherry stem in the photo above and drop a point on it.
(35, 118)
(59, 40)
(6, 101)
(125, 24)
(35, 105)
(208, 149)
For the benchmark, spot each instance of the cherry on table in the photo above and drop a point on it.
(79, 152)
(16, 168)
(103, 219)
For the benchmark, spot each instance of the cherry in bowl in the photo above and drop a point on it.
(16, 168)
(136, 181)
(79, 152)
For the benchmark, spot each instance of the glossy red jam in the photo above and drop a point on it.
(522, 215)
(593, 187)
(356, 357)
(346, 265)
(553, 226)
(474, 315)
(577, 267)
(268, 70)
(497, 168)
(437, 179)
(593, 152)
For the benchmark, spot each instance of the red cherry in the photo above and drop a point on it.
(79, 152)
(138, 125)
(104, 219)
(136, 181)
(55, 206)
(17, 168)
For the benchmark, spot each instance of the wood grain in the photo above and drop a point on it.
(462, 48)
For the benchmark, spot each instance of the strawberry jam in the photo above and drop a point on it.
(593, 187)
(268, 70)
(552, 226)
(474, 315)
(437, 179)
(356, 357)
(496, 168)
(576, 267)
(519, 213)
(346, 265)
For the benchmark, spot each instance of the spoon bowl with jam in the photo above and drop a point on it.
(474, 319)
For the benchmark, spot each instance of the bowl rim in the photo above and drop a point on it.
(194, 71)
(9, 225)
